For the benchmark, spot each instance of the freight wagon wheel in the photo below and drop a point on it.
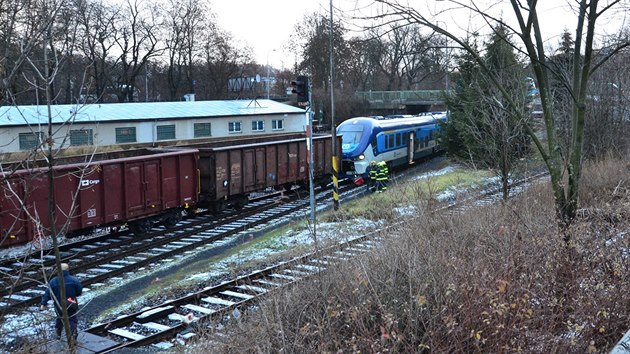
(219, 207)
(140, 227)
(172, 219)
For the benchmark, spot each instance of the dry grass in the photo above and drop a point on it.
(495, 279)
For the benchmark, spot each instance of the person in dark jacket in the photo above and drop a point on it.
(382, 176)
(371, 172)
(73, 290)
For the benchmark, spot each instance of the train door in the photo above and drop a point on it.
(89, 204)
(152, 184)
(253, 169)
(249, 169)
(410, 147)
(113, 184)
(142, 187)
(272, 166)
(294, 162)
(13, 227)
(260, 167)
(134, 189)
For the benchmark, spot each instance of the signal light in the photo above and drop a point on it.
(300, 86)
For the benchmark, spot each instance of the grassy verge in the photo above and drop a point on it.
(493, 279)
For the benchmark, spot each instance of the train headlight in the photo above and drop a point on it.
(361, 157)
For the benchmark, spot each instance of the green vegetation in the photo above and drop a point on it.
(382, 205)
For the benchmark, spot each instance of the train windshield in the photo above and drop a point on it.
(350, 134)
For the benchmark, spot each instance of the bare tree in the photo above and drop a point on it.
(96, 22)
(362, 69)
(42, 54)
(185, 25)
(136, 39)
(223, 59)
(19, 36)
(565, 170)
(312, 41)
(403, 55)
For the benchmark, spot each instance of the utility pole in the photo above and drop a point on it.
(335, 158)
(268, 80)
(309, 156)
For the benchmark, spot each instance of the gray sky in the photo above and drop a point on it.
(265, 25)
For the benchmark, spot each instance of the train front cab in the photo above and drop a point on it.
(356, 148)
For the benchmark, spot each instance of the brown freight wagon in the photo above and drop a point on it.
(228, 174)
(140, 187)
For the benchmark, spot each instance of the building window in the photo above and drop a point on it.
(234, 127)
(277, 124)
(165, 132)
(258, 126)
(81, 137)
(125, 135)
(31, 140)
(202, 130)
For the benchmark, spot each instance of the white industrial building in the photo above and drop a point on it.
(22, 128)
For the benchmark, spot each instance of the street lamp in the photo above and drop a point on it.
(447, 54)
(268, 81)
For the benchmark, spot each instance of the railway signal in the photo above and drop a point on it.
(300, 87)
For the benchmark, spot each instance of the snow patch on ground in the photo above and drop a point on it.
(291, 238)
(440, 172)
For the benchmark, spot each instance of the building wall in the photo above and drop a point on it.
(104, 133)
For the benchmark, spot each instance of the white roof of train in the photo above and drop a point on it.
(100, 112)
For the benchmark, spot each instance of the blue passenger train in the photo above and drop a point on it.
(397, 140)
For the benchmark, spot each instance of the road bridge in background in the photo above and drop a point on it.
(407, 102)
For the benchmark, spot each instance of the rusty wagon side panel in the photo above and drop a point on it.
(97, 193)
(230, 173)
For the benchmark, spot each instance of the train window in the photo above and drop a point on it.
(390, 141)
(81, 137)
(258, 126)
(277, 124)
(30, 140)
(399, 139)
(234, 127)
(126, 135)
(405, 139)
(165, 132)
(202, 129)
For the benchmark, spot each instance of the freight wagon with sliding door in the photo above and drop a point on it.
(137, 187)
(228, 174)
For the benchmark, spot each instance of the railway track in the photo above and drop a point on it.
(490, 195)
(157, 324)
(108, 257)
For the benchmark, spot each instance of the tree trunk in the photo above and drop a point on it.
(62, 303)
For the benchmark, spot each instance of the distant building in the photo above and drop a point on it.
(23, 127)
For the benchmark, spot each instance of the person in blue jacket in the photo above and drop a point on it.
(73, 290)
